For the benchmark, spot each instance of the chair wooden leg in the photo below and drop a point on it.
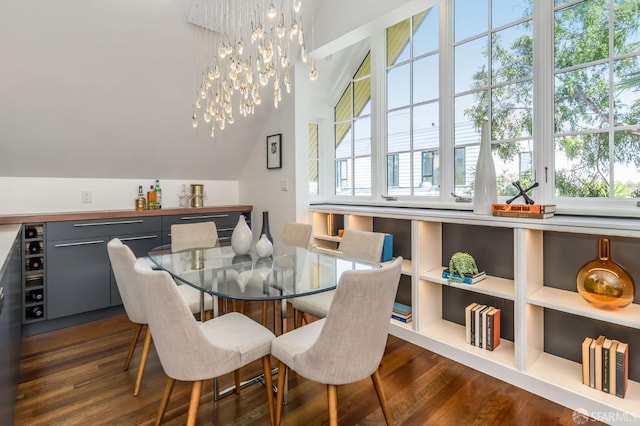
(168, 388)
(377, 384)
(282, 375)
(306, 318)
(332, 396)
(208, 315)
(143, 361)
(265, 308)
(298, 317)
(132, 346)
(268, 385)
(236, 379)
(196, 393)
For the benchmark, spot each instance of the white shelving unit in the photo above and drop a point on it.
(522, 362)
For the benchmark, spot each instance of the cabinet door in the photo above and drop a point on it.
(10, 332)
(140, 245)
(78, 277)
(225, 222)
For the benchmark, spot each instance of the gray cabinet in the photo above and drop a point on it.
(10, 331)
(79, 277)
(225, 223)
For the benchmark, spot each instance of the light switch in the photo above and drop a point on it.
(285, 184)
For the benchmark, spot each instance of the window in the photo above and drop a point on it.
(413, 140)
(597, 112)
(352, 121)
(314, 160)
(493, 80)
(563, 109)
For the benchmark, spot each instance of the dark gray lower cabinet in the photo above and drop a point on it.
(10, 332)
(78, 276)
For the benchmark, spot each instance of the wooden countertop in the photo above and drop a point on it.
(110, 214)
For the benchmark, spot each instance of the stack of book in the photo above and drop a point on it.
(401, 312)
(527, 211)
(605, 365)
(482, 326)
(466, 279)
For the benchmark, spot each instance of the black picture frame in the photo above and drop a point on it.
(274, 151)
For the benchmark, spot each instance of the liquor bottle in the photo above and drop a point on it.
(151, 199)
(141, 202)
(158, 194)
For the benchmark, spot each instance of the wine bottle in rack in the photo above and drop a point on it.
(35, 312)
(34, 247)
(35, 263)
(30, 232)
(34, 296)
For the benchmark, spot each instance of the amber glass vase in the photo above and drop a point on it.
(605, 283)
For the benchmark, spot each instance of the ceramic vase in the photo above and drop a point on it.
(605, 283)
(241, 238)
(264, 248)
(485, 191)
(265, 226)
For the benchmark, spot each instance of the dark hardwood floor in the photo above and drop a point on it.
(75, 376)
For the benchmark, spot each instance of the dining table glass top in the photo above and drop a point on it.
(289, 272)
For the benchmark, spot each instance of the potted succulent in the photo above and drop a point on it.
(461, 265)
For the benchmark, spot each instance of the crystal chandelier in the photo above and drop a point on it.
(245, 45)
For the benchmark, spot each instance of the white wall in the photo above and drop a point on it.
(54, 195)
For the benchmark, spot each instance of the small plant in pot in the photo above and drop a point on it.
(461, 265)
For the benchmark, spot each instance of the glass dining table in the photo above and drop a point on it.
(290, 272)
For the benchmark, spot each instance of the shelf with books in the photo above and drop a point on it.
(492, 286)
(572, 303)
(453, 334)
(567, 375)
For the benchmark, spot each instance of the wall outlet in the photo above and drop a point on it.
(87, 197)
(284, 184)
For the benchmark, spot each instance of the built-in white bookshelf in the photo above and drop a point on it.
(527, 357)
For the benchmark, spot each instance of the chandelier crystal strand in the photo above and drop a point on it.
(245, 45)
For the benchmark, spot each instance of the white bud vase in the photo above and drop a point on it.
(241, 238)
(485, 192)
(264, 248)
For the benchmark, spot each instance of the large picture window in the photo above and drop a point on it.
(557, 80)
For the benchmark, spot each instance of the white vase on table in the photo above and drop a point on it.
(264, 248)
(242, 237)
(485, 192)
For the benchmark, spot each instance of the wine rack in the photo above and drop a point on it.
(33, 285)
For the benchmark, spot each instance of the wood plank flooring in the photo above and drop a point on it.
(75, 376)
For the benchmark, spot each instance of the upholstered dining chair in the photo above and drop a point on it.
(349, 343)
(188, 236)
(293, 235)
(296, 234)
(122, 260)
(197, 351)
(357, 245)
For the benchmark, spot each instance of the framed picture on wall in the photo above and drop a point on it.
(274, 151)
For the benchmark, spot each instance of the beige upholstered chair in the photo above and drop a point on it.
(293, 235)
(196, 351)
(185, 236)
(188, 236)
(349, 343)
(296, 234)
(357, 245)
(122, 261)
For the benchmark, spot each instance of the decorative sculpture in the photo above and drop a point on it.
(522, 193)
